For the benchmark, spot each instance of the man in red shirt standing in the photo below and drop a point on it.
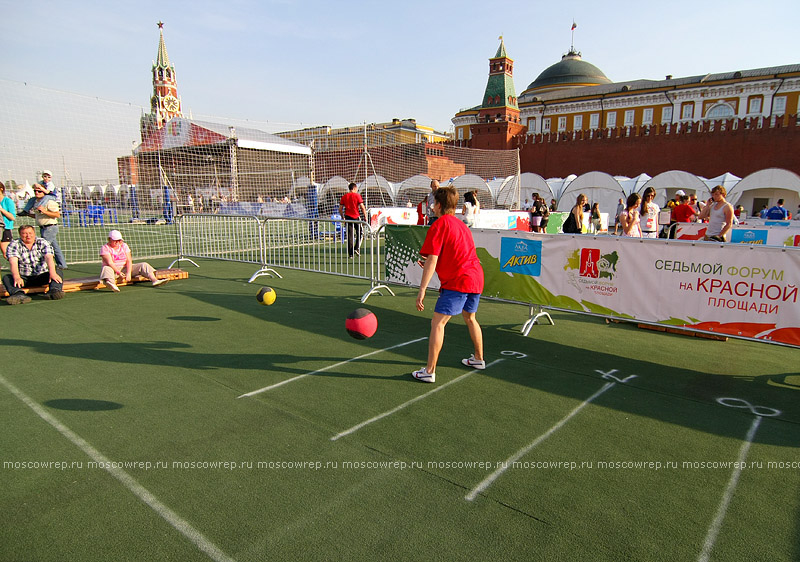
(350, 207)
(449, 251)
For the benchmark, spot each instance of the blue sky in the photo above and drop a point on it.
(325, 62)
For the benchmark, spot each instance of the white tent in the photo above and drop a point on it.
(667, 183)
(470, 182)
(599, 187)
(530, 183)
(633, 185)
(412, 190)
(727, 180)
(765, 187)
(377, 191)
(330, 194)
(558, 187)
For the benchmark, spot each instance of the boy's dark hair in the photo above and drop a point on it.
(352, 186)
(447, 197)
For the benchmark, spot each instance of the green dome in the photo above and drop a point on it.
(570, 71)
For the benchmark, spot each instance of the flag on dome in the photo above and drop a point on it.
(574, 25)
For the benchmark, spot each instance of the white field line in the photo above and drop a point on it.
(408, 403)
(528, 448)
(713, 531)
(177, 522)
(339, 364)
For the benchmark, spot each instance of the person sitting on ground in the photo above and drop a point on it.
(32, 264)
(118, 263)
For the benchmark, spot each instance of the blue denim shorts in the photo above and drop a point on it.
(455, 302)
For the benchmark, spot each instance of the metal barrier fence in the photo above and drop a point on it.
(315, 245)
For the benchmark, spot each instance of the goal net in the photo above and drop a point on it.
(111, 170)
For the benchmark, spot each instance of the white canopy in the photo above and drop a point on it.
(667, 183)
(599, 187)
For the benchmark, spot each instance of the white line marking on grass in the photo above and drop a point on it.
(408, 403)
(298, 377)
(760, 412)
(528, 448)
(177, 522)
(713, 531)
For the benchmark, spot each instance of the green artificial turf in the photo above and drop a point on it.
(156, 376)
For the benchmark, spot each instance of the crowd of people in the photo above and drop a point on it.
(638, 215)
(37, 261)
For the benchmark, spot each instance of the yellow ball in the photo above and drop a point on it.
(266, 296)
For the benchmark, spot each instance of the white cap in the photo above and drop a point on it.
(115, 235)
(47, 173)
(680, 192)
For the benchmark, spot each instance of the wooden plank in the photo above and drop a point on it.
(89, 283)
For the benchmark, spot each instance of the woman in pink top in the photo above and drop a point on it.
(629, 218)
(118, 263)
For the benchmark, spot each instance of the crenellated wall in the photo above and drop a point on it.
(739, 146)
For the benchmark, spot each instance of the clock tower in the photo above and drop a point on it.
(164, 103)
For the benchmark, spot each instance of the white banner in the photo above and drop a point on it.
(730, 289)
(768, 235)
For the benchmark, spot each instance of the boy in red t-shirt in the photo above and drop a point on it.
(450, 252)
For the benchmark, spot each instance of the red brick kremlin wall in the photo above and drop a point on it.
(739, 146)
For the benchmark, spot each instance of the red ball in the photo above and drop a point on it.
(361, 324)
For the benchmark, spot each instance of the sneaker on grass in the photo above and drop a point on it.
(113, 286)
(55, 295)
(424, 376)
(158, 282)
(474, 363)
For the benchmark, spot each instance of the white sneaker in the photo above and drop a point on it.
(158, 282)
(474, 363)
(424, 376)
(113, 286)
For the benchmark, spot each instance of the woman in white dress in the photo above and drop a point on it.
(649, 214)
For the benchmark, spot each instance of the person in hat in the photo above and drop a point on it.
(47, 182)
(675, 201)
(118, 263)
(32, 265)
(46, 210)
